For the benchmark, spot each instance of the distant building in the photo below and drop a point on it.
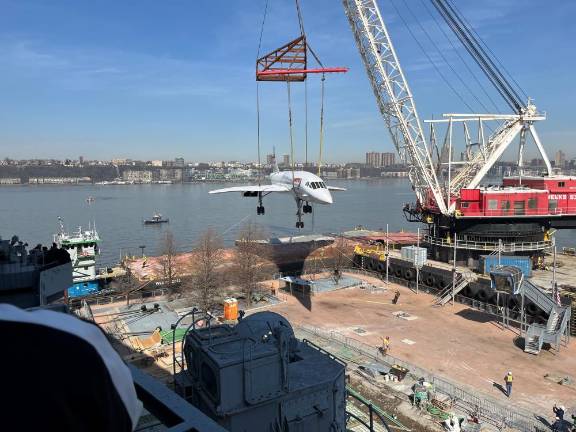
(388, 159)
(560, 159)
(378, 160)
(81, 160)
(286, 160)
(156, 163)
(179, 162)
(270, 159)
(9, 181)
(59, 180)
(138, 176)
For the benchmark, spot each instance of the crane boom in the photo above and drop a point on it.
(394, 99)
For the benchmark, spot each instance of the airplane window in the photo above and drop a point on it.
(314, 186)
(323, 185)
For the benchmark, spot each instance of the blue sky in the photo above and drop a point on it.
(154, 79)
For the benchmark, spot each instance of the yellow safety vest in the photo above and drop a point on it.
(509, 378)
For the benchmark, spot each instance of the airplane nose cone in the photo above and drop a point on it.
(327, 197)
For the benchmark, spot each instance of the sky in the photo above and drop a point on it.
(151, 79)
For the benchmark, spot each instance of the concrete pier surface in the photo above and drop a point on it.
(464, 345)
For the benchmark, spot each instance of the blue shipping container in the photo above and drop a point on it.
(490, 262)
(83, 288)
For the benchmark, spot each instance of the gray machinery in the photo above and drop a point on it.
(256, 376)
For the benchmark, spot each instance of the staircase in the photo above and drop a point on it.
(462, 281)
(534, 339)
(538, 296)
(558, 319)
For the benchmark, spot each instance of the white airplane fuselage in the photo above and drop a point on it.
(305, 186)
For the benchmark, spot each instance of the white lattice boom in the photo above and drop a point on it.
(394, 97)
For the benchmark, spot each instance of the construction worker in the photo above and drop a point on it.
(508, 381)
(385, 345)
(144, 261)
(558, 412)
(396, 297)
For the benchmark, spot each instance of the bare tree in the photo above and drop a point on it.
(340, 259)
(247, 269)
(168, 251)
(206, 279)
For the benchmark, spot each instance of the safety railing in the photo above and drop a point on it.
(489, 246)
(107, 299)
(483, 406)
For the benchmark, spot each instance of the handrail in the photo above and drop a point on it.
(489, 246)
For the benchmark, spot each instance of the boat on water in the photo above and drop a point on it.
(156, 219)
(82, 246)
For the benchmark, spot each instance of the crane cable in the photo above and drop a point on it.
(305, 123)
(483, 88)
(258, 96)
(463, 18)
(446, 81)
(443, 57)
(321, 123)
(290, 128)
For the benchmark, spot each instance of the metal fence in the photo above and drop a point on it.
(486, 408)
(490, 246)
(107, 299)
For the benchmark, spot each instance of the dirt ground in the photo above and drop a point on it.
(455, 342)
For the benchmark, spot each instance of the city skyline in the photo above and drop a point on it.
(153, 85)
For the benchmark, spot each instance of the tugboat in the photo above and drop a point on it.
(82, 246)
(156, 219)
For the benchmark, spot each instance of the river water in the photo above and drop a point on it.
(31, 212)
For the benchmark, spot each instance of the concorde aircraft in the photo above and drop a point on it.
(303, 186)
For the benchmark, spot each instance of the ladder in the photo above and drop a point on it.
(462, 281)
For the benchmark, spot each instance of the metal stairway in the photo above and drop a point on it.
(534, 339)
(556, 325)
(462, 281)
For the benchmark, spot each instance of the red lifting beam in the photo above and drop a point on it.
(300, 71)
(289, 63)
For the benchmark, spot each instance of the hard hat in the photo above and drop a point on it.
(509, 373)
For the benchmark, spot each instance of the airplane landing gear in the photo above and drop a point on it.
(307, 208)
(260, 209)
(299, 223)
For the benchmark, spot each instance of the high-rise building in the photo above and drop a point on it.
(270, 159)
(179, 162)
(286, 160)
(81, 160)
(378, 160)
(388, 159)
(560, 159)
(373, 159)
